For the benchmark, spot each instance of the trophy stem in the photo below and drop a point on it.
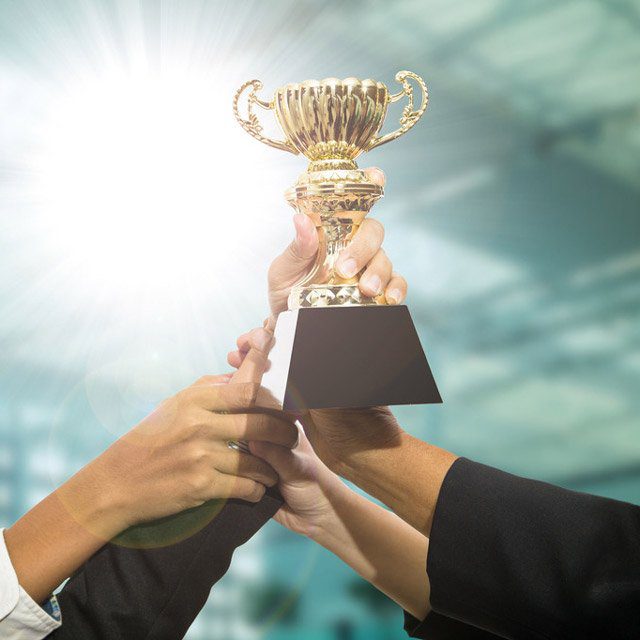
(337, 201)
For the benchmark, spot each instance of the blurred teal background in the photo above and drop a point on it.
(137, 221)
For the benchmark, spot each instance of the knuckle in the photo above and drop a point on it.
(241, 424)
(385, 262)
(296, 256)
(194, 421)
(185, 399)
(254, 491)
(247, 393)
(194, 463)
(198, 483)
(291, 435)
(242, 340)
(259, 423)
(375, 229)
(198, 456)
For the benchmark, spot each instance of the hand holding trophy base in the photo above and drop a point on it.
(336, 347)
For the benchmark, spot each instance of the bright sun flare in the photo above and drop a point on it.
(134, 172)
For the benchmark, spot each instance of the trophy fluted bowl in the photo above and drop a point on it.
(332, 119)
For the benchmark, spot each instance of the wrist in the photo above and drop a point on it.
(351, 439)
(406, 476)
(362, 465)
(95, 498)
(328, 528)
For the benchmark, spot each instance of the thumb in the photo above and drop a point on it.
(298, 257)
(305, 244)
(283, 460)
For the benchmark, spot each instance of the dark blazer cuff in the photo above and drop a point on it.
(484, 521)
(473, 507)
(529, 560)
(439, 627)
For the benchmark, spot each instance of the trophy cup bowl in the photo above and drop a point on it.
(331, 119)
(320, 354)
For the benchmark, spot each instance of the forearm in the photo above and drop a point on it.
(406, 476)
(61, 532)
(154, 591)
(377, 544)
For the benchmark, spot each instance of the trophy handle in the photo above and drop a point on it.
(252, 126)
(409, 116)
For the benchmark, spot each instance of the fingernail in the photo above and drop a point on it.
(297, 221)
(393, 296)
(377, 174)
(348, 268)
(374, 284)
(306, 240)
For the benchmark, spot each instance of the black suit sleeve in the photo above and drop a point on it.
(528, 560)
(437, 627)
(124, 593)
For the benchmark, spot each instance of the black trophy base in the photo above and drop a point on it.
(339, 357)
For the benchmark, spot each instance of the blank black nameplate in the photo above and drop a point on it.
(339, 357)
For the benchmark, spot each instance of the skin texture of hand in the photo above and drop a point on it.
(298, 258)
(336, 435)
(364, 251)
(369, 448)
(174, 459)
(306, 485)
(178, 457)
(376, 543)
(342, 436)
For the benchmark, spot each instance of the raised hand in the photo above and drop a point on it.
(376, 543)
(364, 251)
(179, 456)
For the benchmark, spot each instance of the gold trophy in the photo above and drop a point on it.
(336, 347)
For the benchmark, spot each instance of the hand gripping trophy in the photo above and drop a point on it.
(336, 347)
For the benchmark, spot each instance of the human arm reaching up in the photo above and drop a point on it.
(175, 459)
(376, 543)
(504, 554)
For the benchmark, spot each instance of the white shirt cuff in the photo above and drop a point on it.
(20, 617)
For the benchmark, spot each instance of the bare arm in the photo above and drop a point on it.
(381, 547)
(175, 459)
(54, 538)
(376, 543)
(401, 471)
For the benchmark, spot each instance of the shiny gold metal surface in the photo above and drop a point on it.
(331, 122)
